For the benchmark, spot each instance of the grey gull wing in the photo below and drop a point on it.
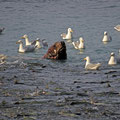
(30, 48)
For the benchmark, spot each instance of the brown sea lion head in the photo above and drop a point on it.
(57, 51)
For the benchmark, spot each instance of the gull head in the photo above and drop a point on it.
(81, 39)
(38, 39)
(70, 30)
(87, 58)
(24, 36)
(112, 54)
(105, 33)
(19, 41)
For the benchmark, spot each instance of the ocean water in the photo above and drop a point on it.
(68, 87)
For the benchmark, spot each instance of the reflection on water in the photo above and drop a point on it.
(105, 43)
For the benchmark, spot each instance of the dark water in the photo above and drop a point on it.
(32, 88)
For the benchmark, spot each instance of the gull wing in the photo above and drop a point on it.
(33, 42)
(63, 35)
(44, 43)
(110, 38)
(117, 27)
(118, 59)
(76, 44)
(29, 48)
(93, 66)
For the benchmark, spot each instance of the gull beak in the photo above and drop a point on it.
(17, 42)
(71, 30)
(84, 59)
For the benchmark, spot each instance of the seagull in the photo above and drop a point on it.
(37, 43)
(1, 30)
(112, 60)
(90, 66)
(79, 44)
(29, 48)
(117, 27)
(67, 36)
(106, 38)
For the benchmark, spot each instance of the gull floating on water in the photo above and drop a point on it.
(37, 43)
(67, 36)
(106, 38)
(112, 60)
(29, 48)
(117, 27)
(1, 30)
(91, 66)
(79, 44)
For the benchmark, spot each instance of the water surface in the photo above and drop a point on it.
(65, 90)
